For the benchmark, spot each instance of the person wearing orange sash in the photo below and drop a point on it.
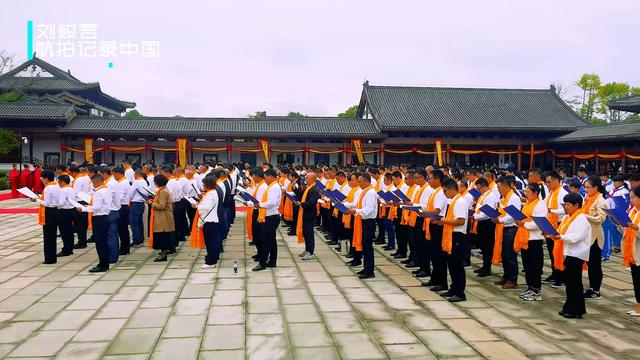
(364, 225)
(432, 243)
(348, 220)
(415, 222)
(593, 210)
(306, 216)
(66, 211)
(123, 214)
(387, 209)
(574, 239)
(464, 192)
(483, 227)
(99, 208)
(269, 217)
(555, 208)
(377, 181)
(396, 214)
(162, 223)
(48, 214)
(529, 241)
(329, 181)
(257, 221)
(453, 237)
(294, 188)
(631, 248)
(337, 228)
(205, 230)
(505, 234)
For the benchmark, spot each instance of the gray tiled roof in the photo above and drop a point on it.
(271, 126)
(630, 104)
(36, 111)
(612, 133)
(468, 109)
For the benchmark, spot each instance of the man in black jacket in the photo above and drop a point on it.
(308, 206)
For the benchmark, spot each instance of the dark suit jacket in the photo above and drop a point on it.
(309, 205)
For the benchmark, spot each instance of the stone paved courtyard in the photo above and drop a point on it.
(303, 310)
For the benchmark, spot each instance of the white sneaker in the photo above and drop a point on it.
(205, 266)
(308, 257)
(303, 254)
(533, 296)
(526, 293)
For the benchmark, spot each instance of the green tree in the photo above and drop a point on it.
(8, 141)
(10, 96)
(258, 114)
(295, 114)
(610, 92)
(133, 113)
(590, 84)
(350, 112)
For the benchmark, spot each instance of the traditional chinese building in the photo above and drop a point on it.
(61, 118)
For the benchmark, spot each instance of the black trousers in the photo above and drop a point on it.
(573, 283)
(179, 218)
(269, 245)
(50, 234)
(509, 256)
(533, 262)
(258, 230)
(635, 276)
(380, 226)
(123, 229)
(401, 235)
(486, 239)
(455, 262)
(595, 266)
(438, 259)
(100, 233)
(308, 235)
(80, 225)
(413, 233)
(65, 223)
(368, 233)
(191, 213)
(324, 214)
(336, 227)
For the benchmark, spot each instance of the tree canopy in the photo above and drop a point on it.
(350, 112)
(133, 113)
(593, 105)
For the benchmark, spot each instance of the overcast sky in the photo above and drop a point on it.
(231, 58)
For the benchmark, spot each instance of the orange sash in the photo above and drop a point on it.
(481, 199)
(522, 235)
(299, 234)
(586, 208)
(346, 218)
(357, 223)
(329, 186)
(497, 247)
(335, 211)
(262, 212)
(405, 213)
(196, 238)
(447, 229)
(281, 181)
(430, 207)
(249, 214)
(413, 216)
(41, 218)
(383, 207)
(552, 204)
(287, 210)
(558, 245)
(152, 216)
(629, 239)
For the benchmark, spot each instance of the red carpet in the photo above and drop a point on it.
(6, 196)
(18, 211)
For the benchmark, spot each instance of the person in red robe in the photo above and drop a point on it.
(25, 179)
(37, 183)
(14, 175)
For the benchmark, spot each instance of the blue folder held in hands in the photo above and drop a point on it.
(320, 185)
(516, 214)
(432, 216)
(489, 211)
(475, 193)
(338, 196)
(248, 197)
(618, 216)
(341, 208)
(401, 195)
(544, 225)
(292, 197)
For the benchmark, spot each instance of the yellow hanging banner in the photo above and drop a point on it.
(181, 148)
(357, 144)
(88, 150)
(264, 145)
(532, 157)
(439, 151)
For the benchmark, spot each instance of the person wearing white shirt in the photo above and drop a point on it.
(509, 256)
(617, 191)
(368, 211)
(483, 226)
(82, 184)
(431, 251)
(453, 237)
(100, 208)
(116, 197)
(179, 216)
(533, 255)
(48, 214)
(402, 183)
(575, 233)
(555, 207)
(257, 228)
(269, 253)
(138, 195)
(207, 209)
(129, 173)
(337, 227)
(66, 212)
(190, 191)
(124, 191)
(149, 171)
